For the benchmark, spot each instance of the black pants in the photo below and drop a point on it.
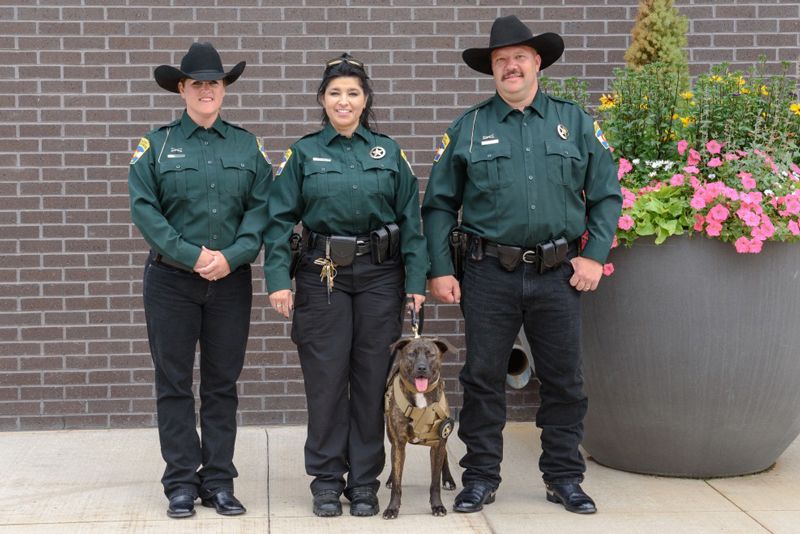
(345, 357)
(495, 304)
(181, 309)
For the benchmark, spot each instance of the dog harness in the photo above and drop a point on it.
(429, 425)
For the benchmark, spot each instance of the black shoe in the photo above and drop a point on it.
(225, 503)
(181, 505)
(363, 501)
(572, 497)
(327, 504)
(473, 497)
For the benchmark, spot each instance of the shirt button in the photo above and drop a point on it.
(205, 142)
(213, 185)
(241, 164)
(210, 162)
(214, 236)
(348, 148)
(533, 206)
(358, 212)
(177, 166)
(355, 186)
(527, 149)
(214, 210)
(530, 177)
(352, 166)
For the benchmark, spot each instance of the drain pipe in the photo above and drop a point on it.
(520, 364)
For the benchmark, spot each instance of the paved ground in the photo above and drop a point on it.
(106, 481)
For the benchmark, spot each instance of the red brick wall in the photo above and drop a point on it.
(76, 93)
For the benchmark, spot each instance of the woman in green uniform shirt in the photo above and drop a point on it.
(363, 251)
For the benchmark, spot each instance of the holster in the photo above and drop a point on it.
(551, 253)
(343, 249)
(458, 250)
(379, 245)
(476, 247)
(509, 256)
(296, 251)
(394, 239)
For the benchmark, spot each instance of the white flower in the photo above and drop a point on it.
(635, 161)
(652, 174)
(711, 175)
(769, 192)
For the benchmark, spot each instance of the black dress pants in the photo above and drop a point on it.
(344, 354)
(496, 303)
(181, 309)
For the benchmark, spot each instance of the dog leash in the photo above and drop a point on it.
(417, 320)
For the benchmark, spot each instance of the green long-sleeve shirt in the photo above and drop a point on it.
(522, 178)
(190, 186)
(350, 186)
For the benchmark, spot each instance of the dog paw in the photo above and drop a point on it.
(389, 483)
(439, 511)
(391, 513)
(449, 485)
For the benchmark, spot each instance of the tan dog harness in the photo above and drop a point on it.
(429, 425)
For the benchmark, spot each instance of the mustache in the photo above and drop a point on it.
(514, 72)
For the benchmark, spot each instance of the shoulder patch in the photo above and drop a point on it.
(141, 148)
(442, 147)
(598, 133)
(286, 156)
(263, 150)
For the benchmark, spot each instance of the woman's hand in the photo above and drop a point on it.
(282, 301)
(418, 300)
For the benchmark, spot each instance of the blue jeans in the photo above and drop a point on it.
(496, 303)
(181, 309)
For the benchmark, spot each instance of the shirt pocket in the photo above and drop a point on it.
(563, 162)
(238, 173)
(180, 177)
(380, 176)
(321, 179)
(490, 167)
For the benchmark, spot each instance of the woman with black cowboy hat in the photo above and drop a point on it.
(198, 189)
(357, 197)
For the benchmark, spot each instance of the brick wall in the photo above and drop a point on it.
(76, 93)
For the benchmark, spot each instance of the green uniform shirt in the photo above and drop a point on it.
(344, 186)
(522, 178)
(191, 186)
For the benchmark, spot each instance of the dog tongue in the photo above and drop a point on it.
(422, 384)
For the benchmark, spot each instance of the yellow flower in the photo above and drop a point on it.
(687, 121)
(687, 95)
(674, 116)
(741, 81)
(764, 91)
(745, 91)
(607, 102)
(716, 79)
(795, 108)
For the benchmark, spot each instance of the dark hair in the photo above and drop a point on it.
(347, 65)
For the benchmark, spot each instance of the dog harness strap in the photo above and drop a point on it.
(425, 422)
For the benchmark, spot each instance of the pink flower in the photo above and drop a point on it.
(792, 205)
(682, 145)
(742, 245)
(697, 201)
(694, 181)
(713, 147)
(794, 168)
(714, 162)
(624, 168)
(749, 217)
(794, 228)
(713, 228)
(747, 180)
(628, 198)
(730, 156)
(676, 180)
(625, 222)
(699, 222)
(694, 157)
(691, 169)
(614, 242)
(718, 213)
(755, 246)
(608, 269)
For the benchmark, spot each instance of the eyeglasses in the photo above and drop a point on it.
(333, 62)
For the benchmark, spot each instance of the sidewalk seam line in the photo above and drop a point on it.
(745, 512)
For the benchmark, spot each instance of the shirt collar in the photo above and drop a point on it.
(329, 133)
(502, 109)
(188, 126)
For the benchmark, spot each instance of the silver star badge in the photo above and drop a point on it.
(562, 131)
(377, 152)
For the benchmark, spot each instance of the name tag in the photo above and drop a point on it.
(490, 141)
(325, 160)
(176, 155)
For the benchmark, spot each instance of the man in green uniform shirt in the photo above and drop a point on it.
(531, 174)
(198, 189)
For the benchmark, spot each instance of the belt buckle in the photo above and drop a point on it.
(362, 247)
(529, 256)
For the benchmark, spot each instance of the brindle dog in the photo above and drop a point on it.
(417, 412)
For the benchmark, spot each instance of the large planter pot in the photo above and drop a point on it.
(692, 358)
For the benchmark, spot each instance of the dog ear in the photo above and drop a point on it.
(444, 346)
(399, 344)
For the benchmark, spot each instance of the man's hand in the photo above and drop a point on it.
(282, 301)
(587, 273)
(446, 289)
(216, 268)
(418, 300)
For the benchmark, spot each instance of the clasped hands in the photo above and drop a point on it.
(212, 265)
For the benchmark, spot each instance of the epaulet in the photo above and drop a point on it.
(310, 134)
(232, 125)
(473, 108)
(562, 100)
(165, 126)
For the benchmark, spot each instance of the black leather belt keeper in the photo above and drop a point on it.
(544, 256)
(381, 244)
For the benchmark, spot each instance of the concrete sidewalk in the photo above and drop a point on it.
(107, 481)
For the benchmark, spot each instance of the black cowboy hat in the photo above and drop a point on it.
(202, 63)
(510, 31)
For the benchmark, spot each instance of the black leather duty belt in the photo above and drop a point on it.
(164, 260)
(320, 242)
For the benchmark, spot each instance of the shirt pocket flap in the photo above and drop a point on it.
(562, 148)
(321, 167)
(491, 152)
(380, 164)
(177, 165)
(239, 162)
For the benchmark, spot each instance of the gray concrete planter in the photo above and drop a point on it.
(692, 358)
